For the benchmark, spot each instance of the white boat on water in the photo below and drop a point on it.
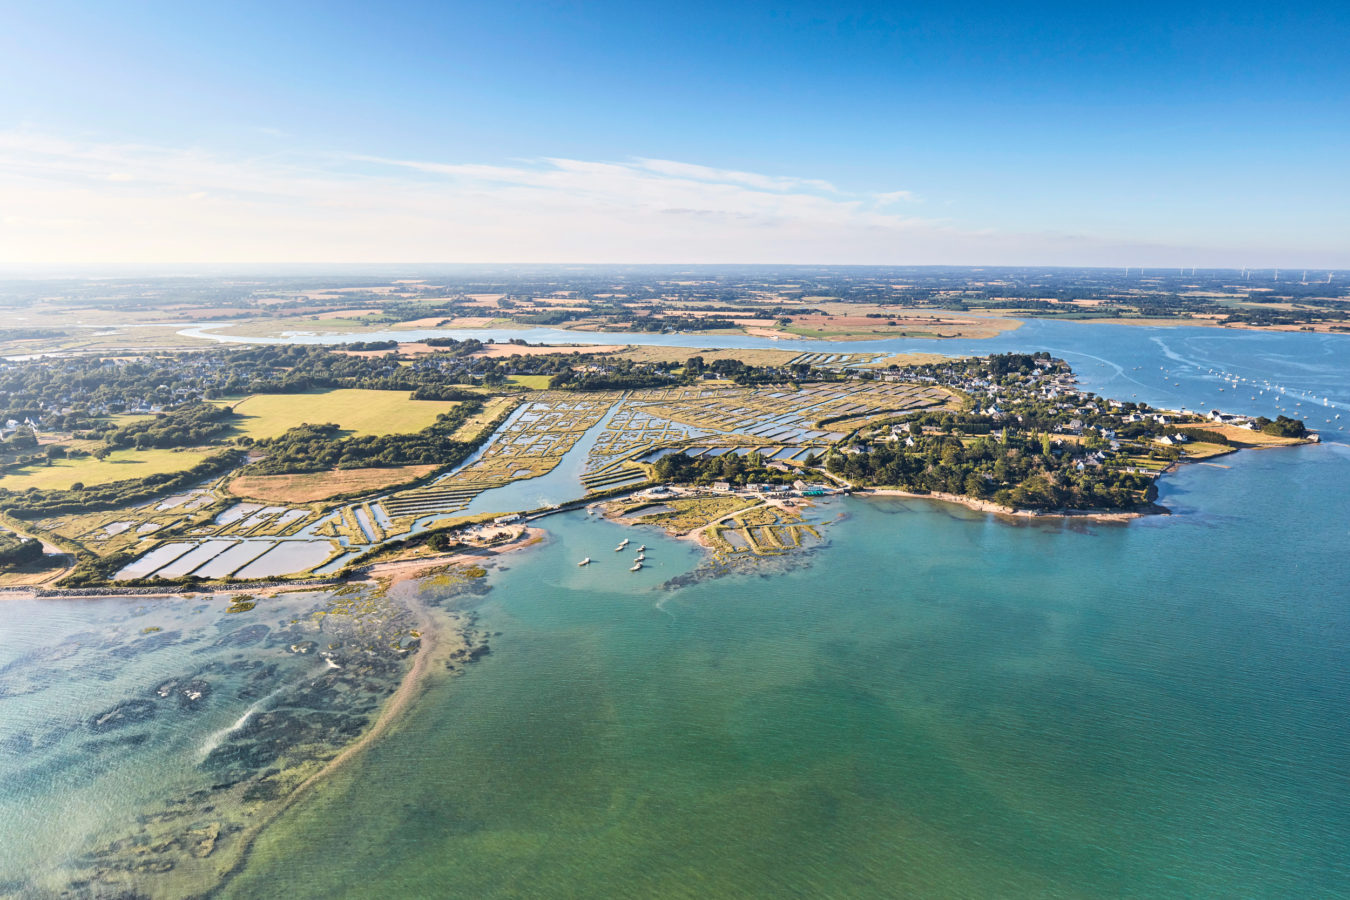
(636, 566)
(642, 549)
(585, 562)
(641, 557)
(623, 543)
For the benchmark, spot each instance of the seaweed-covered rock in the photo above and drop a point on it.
(123, 714)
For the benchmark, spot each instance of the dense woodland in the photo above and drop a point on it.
(1019, 471)
(192, 425)
(676, 468)
(1026, 439)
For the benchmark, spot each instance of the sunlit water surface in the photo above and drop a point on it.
(935, 702)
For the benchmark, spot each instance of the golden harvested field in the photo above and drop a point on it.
(118, 466)
(1241, 437)
(356, 411)
(311, 487)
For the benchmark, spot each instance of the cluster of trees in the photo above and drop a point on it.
(1022, 471)
(187, 426)
(1283, 426)
(455, 347)
(617, 375)
(747, 374)
(443, 392)
(679, 323)
(22, 439)
(320, 448)
(16, 551)
(676, 468)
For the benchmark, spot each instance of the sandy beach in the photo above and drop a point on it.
(998, 509)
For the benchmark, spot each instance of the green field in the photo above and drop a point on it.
(533, 382)
(356, 411)
(118, 466)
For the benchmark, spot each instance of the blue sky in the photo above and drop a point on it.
(1140, 134)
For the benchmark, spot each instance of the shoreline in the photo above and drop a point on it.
(400, 569)
(439, 643)
(433, 643)
(988, 506)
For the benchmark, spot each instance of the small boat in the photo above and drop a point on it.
(636, 566)
(585, 562)
(642, 549)
(640, 558)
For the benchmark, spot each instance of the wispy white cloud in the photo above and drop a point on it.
(888, 197)
(750, 179)
(87, 201)
(102, 201)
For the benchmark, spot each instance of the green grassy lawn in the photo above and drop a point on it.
(1204, 450)
(356, 411)
(118, 466)
(533, 382)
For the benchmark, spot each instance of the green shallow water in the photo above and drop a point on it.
(937, 704)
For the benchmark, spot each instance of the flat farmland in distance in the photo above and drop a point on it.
(311, 487)
(117, 466)
(680, 354)
(862, 328)
(499, 351)
(354, 410)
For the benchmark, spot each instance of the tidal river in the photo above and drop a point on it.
(934, 702)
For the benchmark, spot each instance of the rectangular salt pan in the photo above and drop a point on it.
(287, 558)
(184, 564)
(160, 556)
(233, 558)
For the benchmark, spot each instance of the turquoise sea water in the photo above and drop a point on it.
(934, 703)
(939, 703)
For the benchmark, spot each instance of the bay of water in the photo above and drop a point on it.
(934, 703)
(938, 704)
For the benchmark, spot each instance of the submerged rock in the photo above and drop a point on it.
(129, 713)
